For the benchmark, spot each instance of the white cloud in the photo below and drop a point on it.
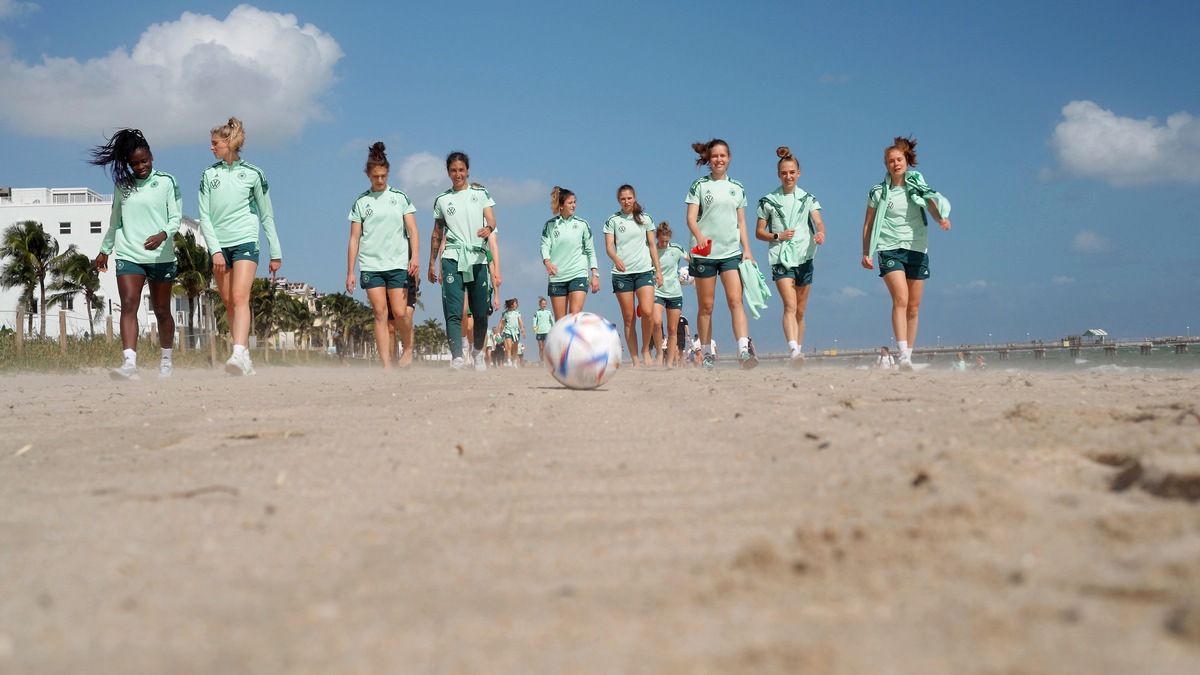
(181, 79)
(508, 191)
(971, 287)
(1093, 142)
(11, 8)
(846, 293)
(1086, 241)
(422, 177)
(1062, 280)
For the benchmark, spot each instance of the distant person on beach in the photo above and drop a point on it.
(630, 244)
(960, 363)
(146, 212)
(543, 321)
(681, 340)
(460, 247)
(568, 253)
(789, 219)
(885, 360)
(384, 245)
(668, 297)
(513, 331)
(895, 227)
(234, 201)
(716, 218)
(979, 364)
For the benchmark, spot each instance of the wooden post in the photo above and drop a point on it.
(212, 346)
(153, 335)
(108, 330)
(181, 343)
(62, 331)
(20, 332)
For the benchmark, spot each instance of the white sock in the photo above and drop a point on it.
(908, 353)
(238, 350)
(166, 354)
(902, 345)
(799, 347)
(743, 344)
(792, 346)
(706, 350)
(130, 356)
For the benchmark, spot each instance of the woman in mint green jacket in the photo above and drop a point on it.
(235, 201)
(896, 227)
(141, 230)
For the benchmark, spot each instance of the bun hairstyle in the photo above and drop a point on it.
(557, 196)
(510, 303)
(377, 156)
(664, 228)
(908, 146)
(705, 149)
(115, 154)
(232, 131)
(785, 155)
(637, 208)
(458, 156)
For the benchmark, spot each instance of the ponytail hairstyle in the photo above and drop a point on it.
(232, 131)
(510, 304)
(458, 156)
(705, 149)
(785, 155)
(377, 156)
(115, 155)
(557, 196)
(664, 228)
(908, 146)
(637, 208)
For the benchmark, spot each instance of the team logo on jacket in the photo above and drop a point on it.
(214, 183)
(369, 212)
(708, 199)
(393, 201)
(242, 175)
(154, 184)
(621, 229)
(474, 198)
(732, 193)
(557, 233)
(450, 210)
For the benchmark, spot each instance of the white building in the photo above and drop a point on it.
(78, 216)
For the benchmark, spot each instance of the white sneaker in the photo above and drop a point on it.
(164, 369)
(748, 360)
(480, 362)
(457, 363)
(127, 371)
(234, 365)
(797, 360)
(247, 366)
(905, 365)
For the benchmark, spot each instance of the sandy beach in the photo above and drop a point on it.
(340, 520)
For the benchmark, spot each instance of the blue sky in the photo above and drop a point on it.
(1062, 132)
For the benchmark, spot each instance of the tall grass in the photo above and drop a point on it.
(83, 354)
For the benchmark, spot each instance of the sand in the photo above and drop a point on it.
(337, 520)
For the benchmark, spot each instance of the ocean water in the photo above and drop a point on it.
(1126, 360)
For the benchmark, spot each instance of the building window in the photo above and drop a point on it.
(95, 227)
(64, 228)
(69, 305)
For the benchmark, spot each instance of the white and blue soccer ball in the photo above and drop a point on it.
(583, 351)
(685, 277)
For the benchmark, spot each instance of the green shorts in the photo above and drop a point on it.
(669, 303)
(246, 251)
(541, 337)
(801, 274)
(388, 279)
(707, 268)
(560, 289)
(158, 272)
(628, 283)
(914, 263)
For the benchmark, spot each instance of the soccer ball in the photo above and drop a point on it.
(685, 277)
(583, 350)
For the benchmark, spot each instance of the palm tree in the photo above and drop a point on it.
(193, 273)
(430, 337)
(32, 254)
(73, 274)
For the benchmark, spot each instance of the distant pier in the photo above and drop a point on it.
(1003, 351)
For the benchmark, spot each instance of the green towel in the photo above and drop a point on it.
(754, 287)
(465, 267)
(918, 192)
(790, 254)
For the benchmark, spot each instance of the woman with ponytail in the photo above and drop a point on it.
(235, 201)
(896, 227)
(568, 254)
(789, 219)
(630, 243)
(668, 298)
(145, 216)
(383, 241)
(716, 218)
